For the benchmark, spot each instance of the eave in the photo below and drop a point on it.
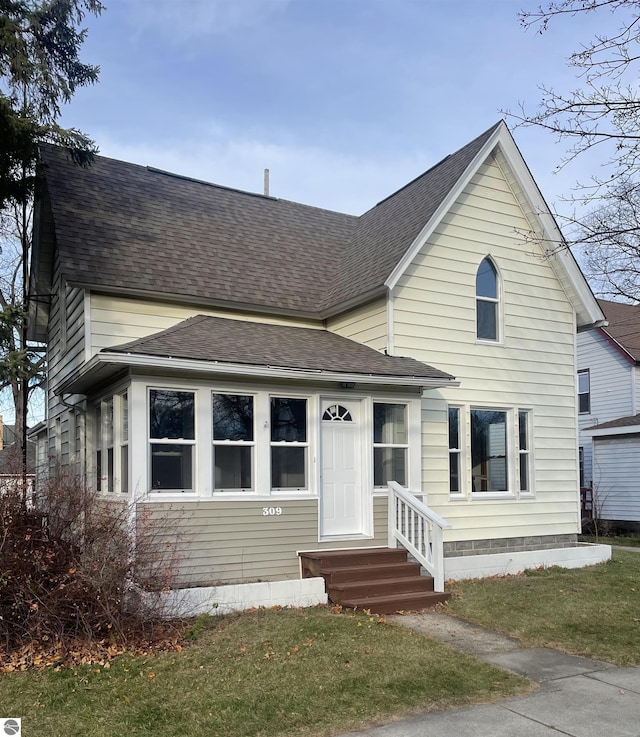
(106, 365)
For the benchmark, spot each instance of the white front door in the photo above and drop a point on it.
(342, 504)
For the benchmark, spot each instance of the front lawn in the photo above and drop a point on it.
(591, 611)
(289, 672)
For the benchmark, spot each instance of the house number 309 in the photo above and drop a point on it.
(271, 511)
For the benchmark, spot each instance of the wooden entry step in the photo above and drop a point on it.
(380, 580)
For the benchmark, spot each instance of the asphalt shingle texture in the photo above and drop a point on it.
(206, 338)
(135, 228)
(624, 325)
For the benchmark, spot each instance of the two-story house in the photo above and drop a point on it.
(285, 381)
(609, 413)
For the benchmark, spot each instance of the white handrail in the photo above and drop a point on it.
(418, 529)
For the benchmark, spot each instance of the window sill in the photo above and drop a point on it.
(496, 343)
(495, 495)
(231, 497)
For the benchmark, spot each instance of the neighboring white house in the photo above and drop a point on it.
(262, 369)
(609, 412)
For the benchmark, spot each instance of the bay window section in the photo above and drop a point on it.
(390, 444)
(289, 444)
(172, 439)
(489, 451)
(233, 442)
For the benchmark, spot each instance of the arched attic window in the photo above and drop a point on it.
(487, 301)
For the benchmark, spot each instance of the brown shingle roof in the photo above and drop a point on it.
(624, 325)
(222, 340)
(120, 225)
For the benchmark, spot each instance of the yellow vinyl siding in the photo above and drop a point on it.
(232, 541)
(117, 320)
(531, 368)
(366, 324)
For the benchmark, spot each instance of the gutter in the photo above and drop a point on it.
(129, 360)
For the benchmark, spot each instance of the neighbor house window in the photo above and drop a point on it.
(172, 439)
(233, 442)
(581, 465)
(489, 450)
(455, 485)
(487, 301)
(289, 443)
(390, 443)
(584, 392)
(524, 450)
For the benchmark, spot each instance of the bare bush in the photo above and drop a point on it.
(75, 568)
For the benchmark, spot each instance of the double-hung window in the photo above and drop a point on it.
(233, 442)
(584, 392)
(390, 443)
(172, 439)
(289, 444)
(524, 450)
(455, 451)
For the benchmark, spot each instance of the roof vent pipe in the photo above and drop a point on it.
(266, 182)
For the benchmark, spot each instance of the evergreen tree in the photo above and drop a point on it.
(40, 70)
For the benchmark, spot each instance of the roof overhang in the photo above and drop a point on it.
(107, 365)
(599, 432)
(587, 309)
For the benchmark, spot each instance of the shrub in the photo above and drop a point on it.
(74, 567)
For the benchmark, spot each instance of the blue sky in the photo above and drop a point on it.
(343, 100)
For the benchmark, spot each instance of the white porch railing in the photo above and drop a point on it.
(418, 529)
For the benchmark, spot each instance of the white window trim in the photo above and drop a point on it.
(509, 450)
(173, 441)
(530, 492)
(587, 373)
(234, 444)
(461, 453)
(413, 446)
(499, 301)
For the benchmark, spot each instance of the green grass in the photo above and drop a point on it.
(629, 541)
(592, 611)
(289, 672)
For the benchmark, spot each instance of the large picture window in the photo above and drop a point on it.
(390, 444)
(172, 439)
(289, 443)
(233, 442)
(489, 451)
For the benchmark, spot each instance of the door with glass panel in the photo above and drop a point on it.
(342, 504)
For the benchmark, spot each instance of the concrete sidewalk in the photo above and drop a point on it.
(577, 696)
